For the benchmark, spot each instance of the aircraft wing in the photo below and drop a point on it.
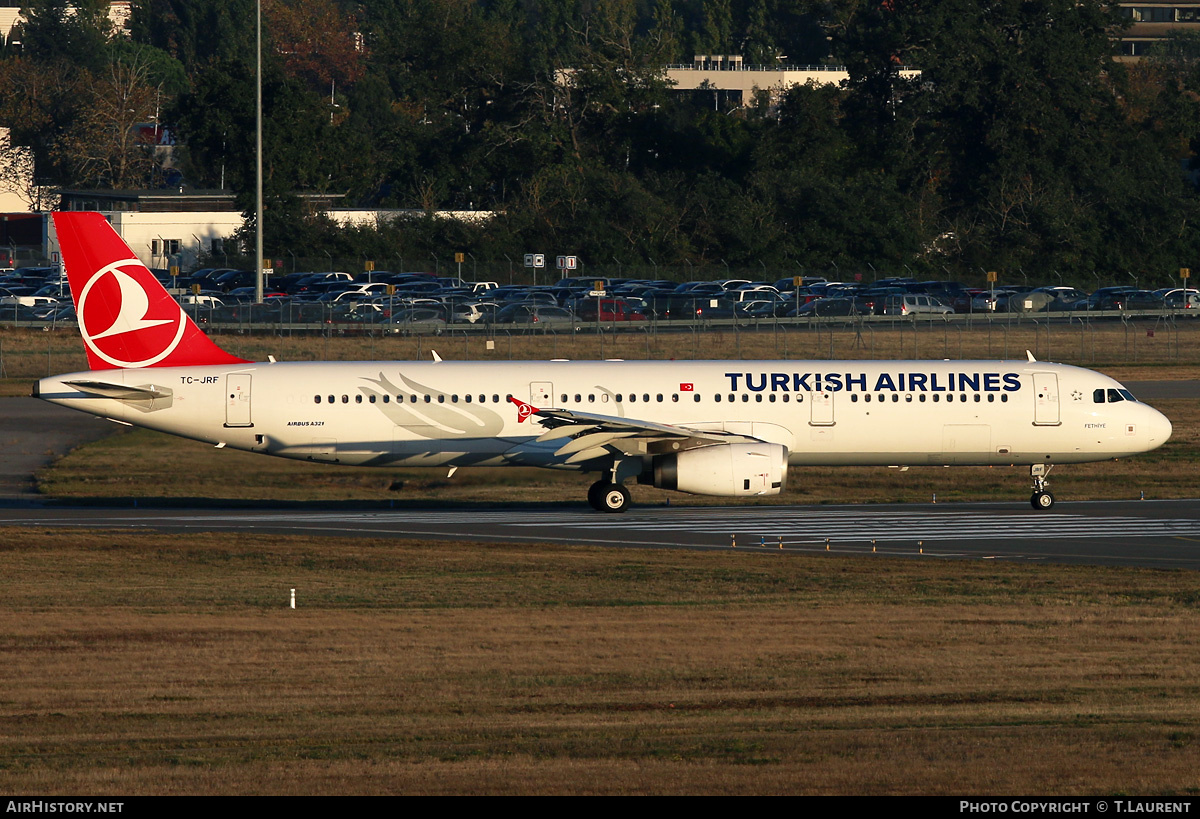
(588, 435)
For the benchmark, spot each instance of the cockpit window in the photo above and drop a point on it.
(1114, 396)
(1127, 394)
(1098, 397)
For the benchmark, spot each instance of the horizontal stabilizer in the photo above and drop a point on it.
(120, 391)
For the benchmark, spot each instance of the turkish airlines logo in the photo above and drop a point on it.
(523, 410)
(119, 324)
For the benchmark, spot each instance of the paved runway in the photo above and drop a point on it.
(1158, 534)
(1163, 534)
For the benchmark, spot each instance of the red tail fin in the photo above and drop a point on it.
(127, 318)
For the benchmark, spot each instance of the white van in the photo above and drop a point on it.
(914, 304)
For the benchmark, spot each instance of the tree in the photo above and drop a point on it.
(75, 32)
(196, 34)
(107, 145)
(315, 41)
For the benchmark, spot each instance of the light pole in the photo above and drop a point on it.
(258, 163)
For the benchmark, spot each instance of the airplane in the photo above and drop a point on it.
(719, 428)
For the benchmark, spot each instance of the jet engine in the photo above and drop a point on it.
(728, 470)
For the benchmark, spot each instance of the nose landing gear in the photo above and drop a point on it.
(1040, 500)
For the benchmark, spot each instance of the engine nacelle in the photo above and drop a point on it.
(729, 470)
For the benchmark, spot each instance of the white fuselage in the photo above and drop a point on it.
(443, 413)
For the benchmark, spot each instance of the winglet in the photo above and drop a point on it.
(1031, 358)
(523, 410)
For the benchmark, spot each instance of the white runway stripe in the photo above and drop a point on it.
(795, 526)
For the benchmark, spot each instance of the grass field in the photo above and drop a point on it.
(148, 664)
(135, 663)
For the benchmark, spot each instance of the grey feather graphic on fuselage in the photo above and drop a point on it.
(428, 418)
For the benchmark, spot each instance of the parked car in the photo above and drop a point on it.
(540, 316)
(416, 320)
(1177, 298)
(915, 304)
(607, 310)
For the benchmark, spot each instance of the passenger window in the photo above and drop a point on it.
(358, 398)
(316, 399)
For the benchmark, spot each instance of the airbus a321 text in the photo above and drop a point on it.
(726, 428)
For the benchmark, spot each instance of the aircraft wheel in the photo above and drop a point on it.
(1042, 501)
(595, 496)
(614, 498)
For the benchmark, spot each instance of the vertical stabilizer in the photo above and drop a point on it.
(127, 318)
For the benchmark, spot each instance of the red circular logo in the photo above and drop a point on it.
(118, 321)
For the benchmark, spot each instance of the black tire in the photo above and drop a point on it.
(1041, 501)
(594, 495)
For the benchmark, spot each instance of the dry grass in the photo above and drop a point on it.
(142, 664)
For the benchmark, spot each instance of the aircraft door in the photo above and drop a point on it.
(1045, 391)
(237, 404)
(541, 394)
(822, 409)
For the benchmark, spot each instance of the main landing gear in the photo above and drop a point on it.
(606, 496)
(1040, 499)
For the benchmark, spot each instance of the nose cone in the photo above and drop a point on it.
(1158, 429)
